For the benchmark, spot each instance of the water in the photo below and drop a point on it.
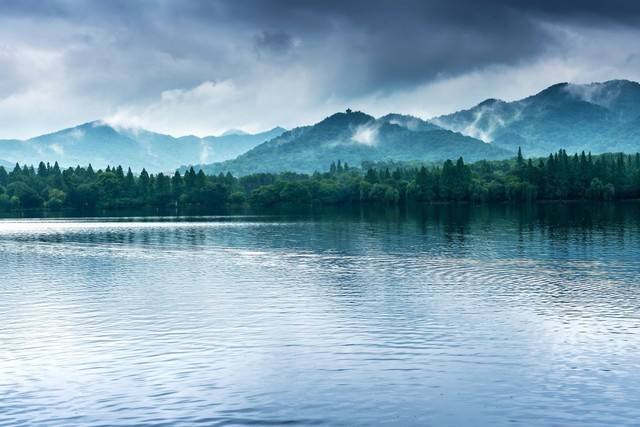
(447, 317)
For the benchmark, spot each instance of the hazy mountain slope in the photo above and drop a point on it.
(354, 137)
(94, 142)
(101, 145)
(410, 122)
(231, 145)
(596, 117)
(11, 149)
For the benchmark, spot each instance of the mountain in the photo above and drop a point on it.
(231, 145)
(409, 122)
(596, 117)
(234, 132)
(101, 144)
(354, 137)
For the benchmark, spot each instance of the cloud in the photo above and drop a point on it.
(76, 134)
(202, 67)
(366, 134)
(204, 153)
(57, 148)
(597, 93)
(211, 108)
(277, 42)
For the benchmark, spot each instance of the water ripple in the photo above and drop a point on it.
(234, 321)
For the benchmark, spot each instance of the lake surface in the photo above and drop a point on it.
(452, 316)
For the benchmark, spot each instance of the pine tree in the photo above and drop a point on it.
(143, 183)
(520, 159)
(332, 168)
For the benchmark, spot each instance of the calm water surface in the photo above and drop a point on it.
(453, 316)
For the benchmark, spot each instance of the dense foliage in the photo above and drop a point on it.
(558, 177)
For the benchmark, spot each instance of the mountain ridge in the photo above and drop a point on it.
(355, 137)
(596, 117)
(101, 144)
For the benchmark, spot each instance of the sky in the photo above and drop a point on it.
(202, 67)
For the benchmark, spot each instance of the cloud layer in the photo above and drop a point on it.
(203, 67)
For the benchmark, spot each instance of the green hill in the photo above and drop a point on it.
(355, 137)
(597, 117)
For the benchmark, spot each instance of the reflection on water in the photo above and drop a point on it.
(450, 316)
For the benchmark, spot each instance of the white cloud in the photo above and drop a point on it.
(76, 134)
(279, 98)
(205, 154)
(366, 134)
(56, 148)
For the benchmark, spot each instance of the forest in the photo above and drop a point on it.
(560, 176)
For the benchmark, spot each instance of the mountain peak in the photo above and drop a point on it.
(347, 118)
(398, 116)
(490, 102)
(234, 132)
(100, 143)
(553, 90)
(77, 132)
(596, 117)
(592, 92)
(354, 137)
(408, 121)
(618, 82)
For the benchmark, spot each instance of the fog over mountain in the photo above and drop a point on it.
(356, 137)
(596, 117)
(100, 144)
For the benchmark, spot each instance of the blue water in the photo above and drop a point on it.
(448, 317)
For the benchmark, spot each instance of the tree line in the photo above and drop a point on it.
(558, 177)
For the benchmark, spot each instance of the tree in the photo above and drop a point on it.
(520, 159)
(559, 176)
(143, 183)
(26, 195)
(4, 177)
(295, 193)
(266, 195)
(213, 194)
(84, 196)
(177, 185)
(372, 176)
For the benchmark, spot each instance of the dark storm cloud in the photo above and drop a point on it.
(380, 44)
(374, 44)
(383, 45)
(274, 41)
(104, 54)
(598, 12)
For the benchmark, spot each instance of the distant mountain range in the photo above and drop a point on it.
(354, 137)
(101, 144)
(597, 117)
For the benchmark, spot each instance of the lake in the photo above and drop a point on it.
(446, 316)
